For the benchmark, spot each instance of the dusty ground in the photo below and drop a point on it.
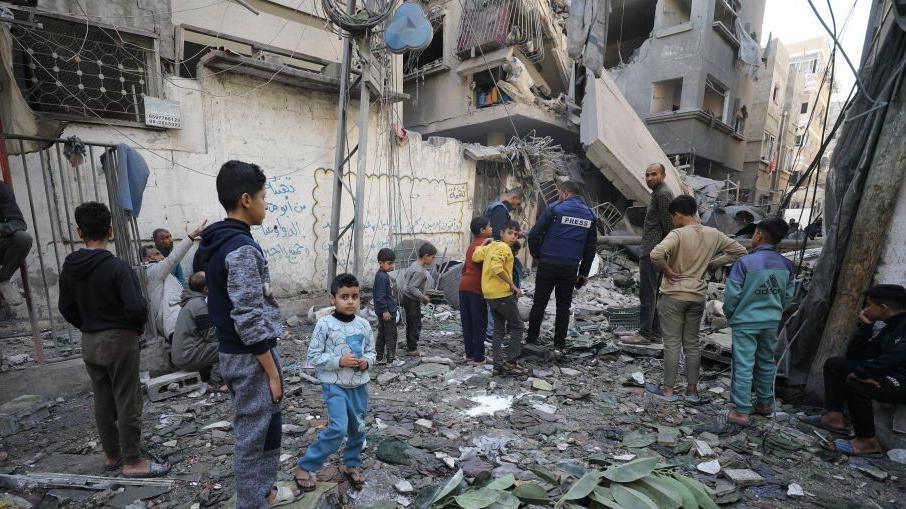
(434, 417)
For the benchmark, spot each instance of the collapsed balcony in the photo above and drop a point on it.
(489, 25)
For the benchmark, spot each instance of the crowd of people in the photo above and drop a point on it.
(225, 322)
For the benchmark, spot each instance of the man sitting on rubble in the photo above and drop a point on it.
(194, 344)
(874, 369)
(564, 241)
(15, 243)
(163, 289)
(163, 241)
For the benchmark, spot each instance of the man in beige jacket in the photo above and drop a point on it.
(685, 256)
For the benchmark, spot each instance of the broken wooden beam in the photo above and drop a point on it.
(89, 482)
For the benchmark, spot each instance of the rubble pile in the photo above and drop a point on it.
(579, 433)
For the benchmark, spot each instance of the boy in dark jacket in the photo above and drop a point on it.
(760, 286)
(385, 308)
(101, 296)
(247, 322)
(874, 369)
(194, 345)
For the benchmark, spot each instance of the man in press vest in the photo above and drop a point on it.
(563, 241)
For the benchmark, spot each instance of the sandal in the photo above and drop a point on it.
(657, 390)
(846, 447)
(815, 420)
(354, 476)
(309, 483)
(723, 425)
(114, 467)
(284, 496)
(154, 470)
(222, 388)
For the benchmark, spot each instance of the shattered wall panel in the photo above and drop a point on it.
(618, 143)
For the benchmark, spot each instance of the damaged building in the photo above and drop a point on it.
(686, 67)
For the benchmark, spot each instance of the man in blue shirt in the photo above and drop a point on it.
(498, 211)
(563, 241)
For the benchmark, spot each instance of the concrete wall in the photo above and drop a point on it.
(892, 266)
(290, 133)
(693, 51)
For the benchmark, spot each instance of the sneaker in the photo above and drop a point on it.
(11, 293)
(397, 363)
(413, 353)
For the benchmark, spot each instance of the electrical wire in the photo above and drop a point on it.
(159, 13)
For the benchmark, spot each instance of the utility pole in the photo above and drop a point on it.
(358, 249)
(867, 237)
(340, 152)
(776, 171)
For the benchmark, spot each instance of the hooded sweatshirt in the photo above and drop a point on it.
(99, 292)
(242, 308)
(193, 336)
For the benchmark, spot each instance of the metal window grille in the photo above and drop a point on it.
(48, 185)
(488, 25)
(82, 71)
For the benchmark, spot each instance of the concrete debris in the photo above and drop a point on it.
(23, 412)
(709, 467)
(438, 415)
(743, 477)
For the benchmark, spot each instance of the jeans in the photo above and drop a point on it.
(413, 309)
(112, 359)
(680, 322)
(13, 250)
(550, 278)
(346, 411)
(840, 393)
(506, 321)
(474, 314)
(649, 281)
(385, 345)
(753, 364)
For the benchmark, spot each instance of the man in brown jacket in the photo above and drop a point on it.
(657, 225)
(685, 256)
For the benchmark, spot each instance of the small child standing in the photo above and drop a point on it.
(760, 286)
(342, 349)
(385, 307)
(415, 280)
(247, 322)
(500, 293)
(473, 310)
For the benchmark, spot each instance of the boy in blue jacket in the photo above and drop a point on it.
(760, 286)
(385, 306)
(342, 349)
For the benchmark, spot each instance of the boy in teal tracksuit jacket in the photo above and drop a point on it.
(760, 286)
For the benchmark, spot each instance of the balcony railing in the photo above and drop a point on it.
(488, 25)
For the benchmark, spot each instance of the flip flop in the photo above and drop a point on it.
(354, 476)
(815, 420)
(154, 470)
(657, 390)
(284, 496)
(846, 447)
(308, 484)
(723, 425)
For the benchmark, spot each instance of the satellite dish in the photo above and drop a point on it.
(408, 30)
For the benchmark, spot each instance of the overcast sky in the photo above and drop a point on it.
(793, 20)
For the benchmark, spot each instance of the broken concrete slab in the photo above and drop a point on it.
(429, 370)
(618, 143)
(23, 412)
(744, 476)
(709, 467)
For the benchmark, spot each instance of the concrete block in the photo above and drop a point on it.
(744, 477)
(22, 413)
(174, 384)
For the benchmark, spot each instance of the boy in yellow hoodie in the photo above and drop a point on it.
(501, 293)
